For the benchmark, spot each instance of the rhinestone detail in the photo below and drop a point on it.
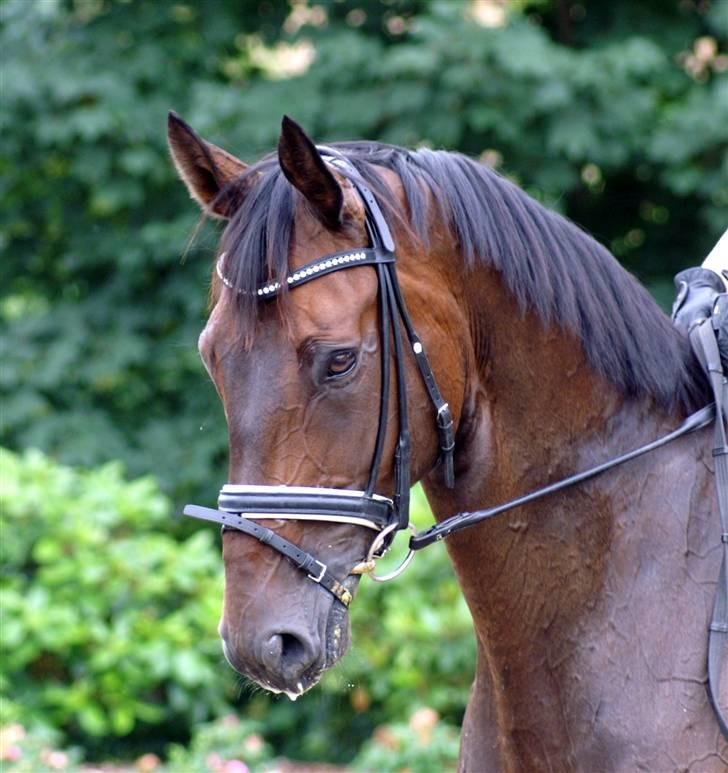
(273, 287)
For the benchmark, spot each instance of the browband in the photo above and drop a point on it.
(335, 262)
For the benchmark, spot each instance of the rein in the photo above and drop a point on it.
(449, 526)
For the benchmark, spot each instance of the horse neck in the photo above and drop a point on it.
(534, 412)
(534, 409)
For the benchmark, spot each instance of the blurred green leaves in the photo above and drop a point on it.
(108, 620)
(100, 313)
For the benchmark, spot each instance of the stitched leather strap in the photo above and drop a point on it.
(705, 346)
(315, 570)
(280, 502)
(443, 415)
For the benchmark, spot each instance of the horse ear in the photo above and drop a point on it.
(204, 168)
(305, 170)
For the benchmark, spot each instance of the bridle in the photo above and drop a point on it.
(240, 507)
(238, 504)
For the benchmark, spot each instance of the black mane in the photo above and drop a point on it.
(549, 265)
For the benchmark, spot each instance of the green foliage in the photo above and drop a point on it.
(226, 745)
(108, 621)
(34, 751)
(109, 630)
(424, 744)
(103, 324)
(614, 113)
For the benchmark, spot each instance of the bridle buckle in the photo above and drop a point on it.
(321, 573)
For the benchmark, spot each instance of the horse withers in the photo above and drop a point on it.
(590, 606)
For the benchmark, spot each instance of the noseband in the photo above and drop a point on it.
(238, 504)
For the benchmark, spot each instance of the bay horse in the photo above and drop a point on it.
(590, 606)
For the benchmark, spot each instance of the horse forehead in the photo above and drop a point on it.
(335, 305)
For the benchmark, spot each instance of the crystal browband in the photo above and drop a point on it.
(335, 262)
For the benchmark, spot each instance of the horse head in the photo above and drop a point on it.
(302, 377)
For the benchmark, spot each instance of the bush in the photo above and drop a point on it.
(36, 751)
(108, 621)
(424, 744)
(226, 745)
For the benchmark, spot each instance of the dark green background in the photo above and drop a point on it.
(615, 113)
(587, 104)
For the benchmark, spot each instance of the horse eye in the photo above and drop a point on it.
(340, 363)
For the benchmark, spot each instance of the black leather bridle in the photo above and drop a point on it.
(241, 506)
(239, 503)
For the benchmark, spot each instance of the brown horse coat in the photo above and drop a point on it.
(591, 607)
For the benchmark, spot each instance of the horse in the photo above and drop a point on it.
(590, 606)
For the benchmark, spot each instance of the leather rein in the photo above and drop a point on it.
(240, 507)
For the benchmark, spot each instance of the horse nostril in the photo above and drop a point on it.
(292, 649)
(287, 655)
